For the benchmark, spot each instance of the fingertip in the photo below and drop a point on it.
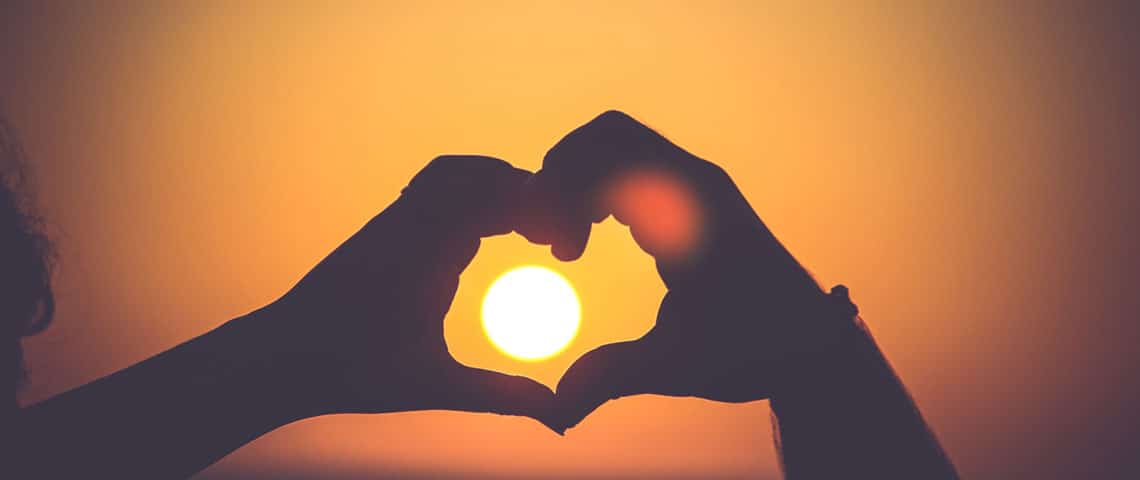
(573, 415)
(565, 252)
(572, 242)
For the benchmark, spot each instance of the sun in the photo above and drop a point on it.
(531, 313)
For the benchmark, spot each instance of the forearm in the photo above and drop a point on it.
(167, 417)
(849, 416)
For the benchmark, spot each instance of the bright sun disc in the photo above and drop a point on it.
(531, 313)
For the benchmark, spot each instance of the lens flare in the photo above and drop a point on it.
(661, 210)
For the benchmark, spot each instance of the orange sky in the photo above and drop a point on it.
(967, 171)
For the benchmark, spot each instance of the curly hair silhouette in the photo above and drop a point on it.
(26, 301)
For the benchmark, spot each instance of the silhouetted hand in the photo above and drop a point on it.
(369, 317)
(735, 318)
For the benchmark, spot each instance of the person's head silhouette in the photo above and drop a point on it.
(26, 302)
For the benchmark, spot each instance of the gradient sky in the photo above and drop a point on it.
(970, 171)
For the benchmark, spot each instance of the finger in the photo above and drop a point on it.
(582, 171)
(574, 172)
(609, 143)
(573, 242)
(609, 372)
(473, 195)
(547, 218)
(478, 390)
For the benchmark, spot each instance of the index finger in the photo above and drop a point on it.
(468, 195)
(616, 165)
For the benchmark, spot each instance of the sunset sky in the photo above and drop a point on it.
(969, 171)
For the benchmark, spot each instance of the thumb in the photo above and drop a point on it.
(485, 391)
(610, 372)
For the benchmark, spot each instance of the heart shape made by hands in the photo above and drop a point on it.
(734, 316)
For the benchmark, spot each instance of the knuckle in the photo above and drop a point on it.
(444, 164)
(613, 123)
(438, 168)
(715, 171)
(449, 169)
(613, 117)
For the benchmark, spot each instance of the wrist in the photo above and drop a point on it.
(829, 350)
(287, 378)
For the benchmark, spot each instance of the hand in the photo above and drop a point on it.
(740, 313)
(368, 320)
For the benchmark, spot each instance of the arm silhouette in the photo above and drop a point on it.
(169, 416)
(741, 320)
(846, 414)
(362, 332)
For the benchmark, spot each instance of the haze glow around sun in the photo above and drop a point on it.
(531, 313)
